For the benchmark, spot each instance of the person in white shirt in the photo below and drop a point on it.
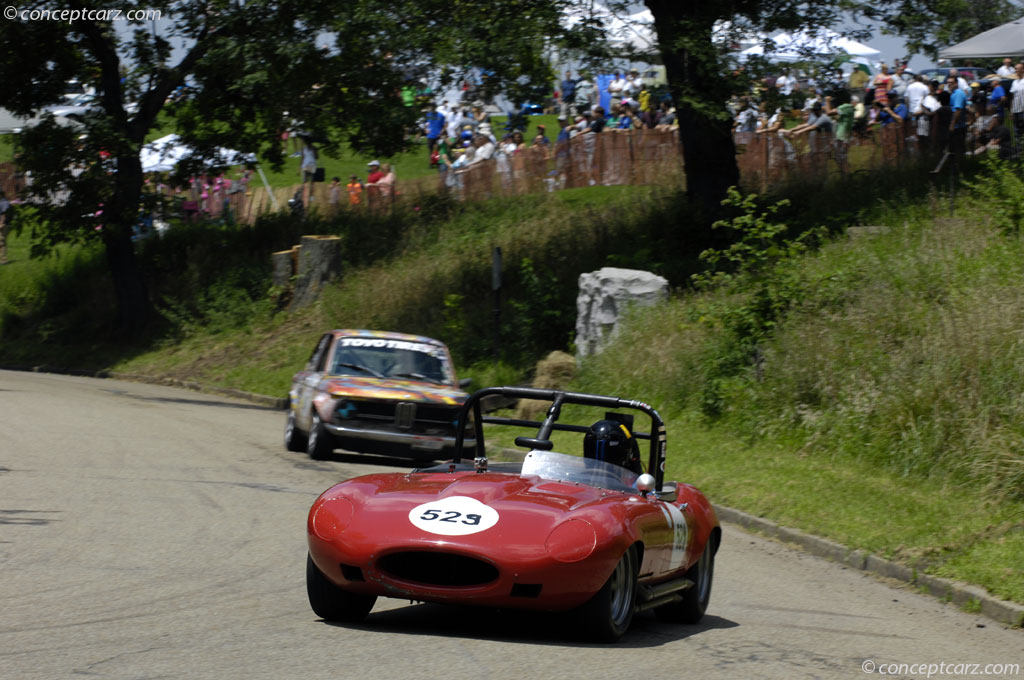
(915, 93)
(960, 82)
(616, 87)
(1006, 70)
(924, 114)
(1017, 103)
(784, 84)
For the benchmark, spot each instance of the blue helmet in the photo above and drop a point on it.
(612, 442)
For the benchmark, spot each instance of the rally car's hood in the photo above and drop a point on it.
(399, 389)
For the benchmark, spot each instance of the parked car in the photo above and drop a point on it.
(968, 73)
(592, 534)
(375, 392)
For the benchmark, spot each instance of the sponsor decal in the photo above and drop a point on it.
(453, 516)
(392, 344)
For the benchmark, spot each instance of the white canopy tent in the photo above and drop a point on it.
(802, 46)
(164, 154)
(1002, 41)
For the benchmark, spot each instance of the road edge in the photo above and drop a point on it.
(962, 595)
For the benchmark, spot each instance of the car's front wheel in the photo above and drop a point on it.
(319, 442)
(606, 617)
(294, 440)
(695, 599)
(332, 603)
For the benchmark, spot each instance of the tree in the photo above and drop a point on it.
(246, 71)
(930, 25)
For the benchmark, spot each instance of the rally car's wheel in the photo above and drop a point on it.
(695, 599)
(332, 603)
(319, 443)
(294, 440)
(606, 617)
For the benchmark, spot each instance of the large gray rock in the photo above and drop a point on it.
(604, 296)
(319, 261)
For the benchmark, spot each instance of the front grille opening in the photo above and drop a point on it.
(437, 569)
(525, 590)
(352, 573)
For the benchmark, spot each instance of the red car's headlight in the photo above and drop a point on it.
(331, 518)
(571, 541)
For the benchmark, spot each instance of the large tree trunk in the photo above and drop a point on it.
(134, 309)
(700, 93)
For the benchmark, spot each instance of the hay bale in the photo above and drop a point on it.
(553, 372)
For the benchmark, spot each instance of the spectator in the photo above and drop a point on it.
(882, 83)
(784, 84)
(915, 93)
(941, 122)
(568, 94)
(997, 100)
(1006, 71)
(586, 95)
(817, 121)
(615, 88)
(1017, 104)
(541, 138)
(598, 123)
(334, 194)
(387, 182)
(958, 122)
(483, 149)
(354, 189)
(843, 114)
(746, 119)
(375, 174)
(923, 115)
(960, 83)
(627, 121)
(479, 115)
(563, 130)
(435, 128)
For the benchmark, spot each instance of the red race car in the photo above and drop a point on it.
(556, 532)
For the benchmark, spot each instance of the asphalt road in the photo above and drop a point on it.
(150, 532)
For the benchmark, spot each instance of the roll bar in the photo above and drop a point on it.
(542, 441)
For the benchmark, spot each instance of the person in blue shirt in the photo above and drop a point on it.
(997, 100)
(435, 123)
(958, 123)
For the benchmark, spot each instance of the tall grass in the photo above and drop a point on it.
(902, 349)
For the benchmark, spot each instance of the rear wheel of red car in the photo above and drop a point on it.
(332, 603)
(319, 443)
(608, 614)
(294, 440)
(695, 599)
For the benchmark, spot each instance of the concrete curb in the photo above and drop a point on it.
(959, 594)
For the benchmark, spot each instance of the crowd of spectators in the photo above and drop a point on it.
(906, 114)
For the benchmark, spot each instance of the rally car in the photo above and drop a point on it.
(594, 533)
(375, 392)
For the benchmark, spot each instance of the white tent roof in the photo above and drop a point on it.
(162, 155)
(1003, 41)
(799, 46)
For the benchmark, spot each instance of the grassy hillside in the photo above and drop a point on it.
(860, 385)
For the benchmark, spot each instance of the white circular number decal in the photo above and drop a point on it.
(454, 516)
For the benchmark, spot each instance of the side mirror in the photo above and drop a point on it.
(465, 382)
(645, 484)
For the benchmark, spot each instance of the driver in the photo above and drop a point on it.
(612, 442)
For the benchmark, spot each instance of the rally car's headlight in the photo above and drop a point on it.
(331, 518)
(571, 541)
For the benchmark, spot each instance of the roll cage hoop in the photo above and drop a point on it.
(542, 441)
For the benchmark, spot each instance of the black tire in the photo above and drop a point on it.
(319, 442)
(695, 599)
(294, 440)
(606, 617)
(332, 603)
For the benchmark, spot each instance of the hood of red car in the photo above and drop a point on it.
(399, 389)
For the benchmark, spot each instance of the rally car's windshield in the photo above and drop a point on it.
(559, 466)
(381, 358)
